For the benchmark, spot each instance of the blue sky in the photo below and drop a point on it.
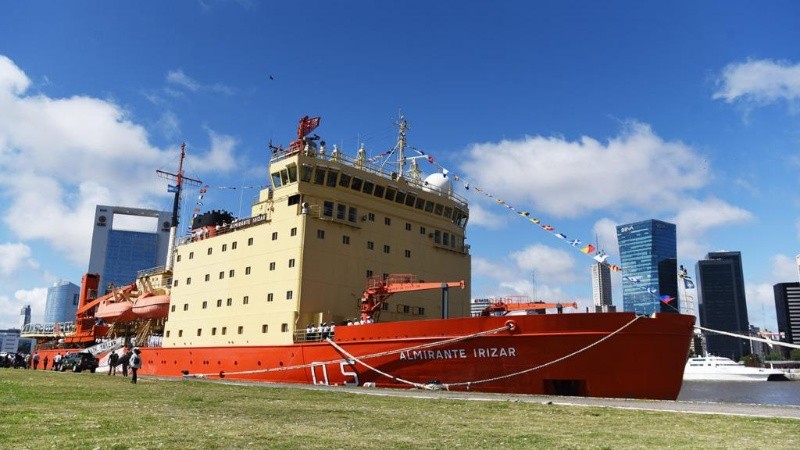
(587, 114)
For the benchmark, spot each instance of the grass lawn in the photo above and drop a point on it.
(44, 409)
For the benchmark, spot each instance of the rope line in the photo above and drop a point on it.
(751, 338)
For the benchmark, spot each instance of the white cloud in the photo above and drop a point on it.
(181, 80)
(66, 155)
(696, 217)
(761, 305)
(759, 82)
(10, 308)
(549, 264)
(14, 257)
(784, 269)
(606, 231)
(573, 178)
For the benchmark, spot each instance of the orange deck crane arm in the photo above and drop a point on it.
(379, 289)
(502, 308)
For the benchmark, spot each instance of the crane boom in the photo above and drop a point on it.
(379, 289)
(501, 308)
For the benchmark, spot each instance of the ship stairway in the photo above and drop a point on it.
(107, 346)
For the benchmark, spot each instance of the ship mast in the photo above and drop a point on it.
(401, 147)
(179, 179)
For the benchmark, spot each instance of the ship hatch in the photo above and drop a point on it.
(576, 388)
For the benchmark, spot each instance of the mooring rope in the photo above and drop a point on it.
(750, 338)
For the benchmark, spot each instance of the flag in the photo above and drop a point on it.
(171, 188)
(560, 235)
(601, 257)
(574, 242)
(688, 283)
(547, 227)
(667, 298)
(588, 249)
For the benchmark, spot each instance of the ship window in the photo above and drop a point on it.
(385, 306)
(205, 304)
(191, 255)
(274, 235)
(305, 172)
(292, 173)
(246, 300)
(428, 206)
(247, 270)
(289, 295)
(269, 297)
(420, 204)
(438, 209)
(185, 306)
(406, 309)
(276, 179)
(448, 212)
(408, 226)
(180, 333)
(341, 210)
(400, 198)
(379, 191)
(370, 245)
(250, 241)
(369, 274)
(174, 283)
(368, 186)
(189, 280)
(408, 253)
(209, 250)
(346, 240)
(327, 209)
(233, 245)
(168, 333)
(421, 311)
(264, 328)
(410, 199)
(231, 273)
(285, 327)
(321, 234)
(293, 200)
(356, 184)
(284, 177)
(387, 249)
(331, 181)
(352, 214)
(272, 265)
(390, 194)
(208, 277)
(179, 258)
(291, 263)
(229, 302)
(224, 330)
(214, 331)
(224, 247)
(344, 180)
(293, 231)
(387, 220)
(437, 237)
(421, 230)
(222, 275)
(199, 331)
(172, 308)
(241, 329)
(319, 176)
(219, 303)
(371, 217)
(446, 240)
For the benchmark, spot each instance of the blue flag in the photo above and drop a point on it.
(687, 283)
(171, 188)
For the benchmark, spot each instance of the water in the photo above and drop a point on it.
(757, 392)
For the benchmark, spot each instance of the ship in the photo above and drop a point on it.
(348, 272)
(717, 368)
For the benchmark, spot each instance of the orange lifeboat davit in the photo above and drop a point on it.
(151, 306)
(111, 311)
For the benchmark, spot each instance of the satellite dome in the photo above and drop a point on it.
(438, 182)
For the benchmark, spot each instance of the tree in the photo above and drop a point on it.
(751, 360)
(794, 355)
(774, 355)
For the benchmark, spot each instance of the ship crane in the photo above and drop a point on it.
(379, 289)
(501, 308)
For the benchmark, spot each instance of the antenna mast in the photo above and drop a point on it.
(179, 180)
(401, 146)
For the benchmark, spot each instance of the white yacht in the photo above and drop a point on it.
(716, 368)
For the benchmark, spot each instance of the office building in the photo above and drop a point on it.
(24, 316)
(118, 254)
(648, 252)
(787, 308)
(601, 288)
(723, 306)
(62, 302)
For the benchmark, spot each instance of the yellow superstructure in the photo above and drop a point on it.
(325, 225)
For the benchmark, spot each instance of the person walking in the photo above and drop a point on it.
(135, 363)
(113, 360)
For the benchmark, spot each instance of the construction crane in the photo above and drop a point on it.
(379, 289)
(501, 307)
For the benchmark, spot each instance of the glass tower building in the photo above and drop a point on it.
(648, 251)
(723, 305)
(62, 302)
(787, 307)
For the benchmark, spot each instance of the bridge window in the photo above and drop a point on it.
(341, 210)
(390, 194)
(379, 191)
(327, 209)
(400, 198)
(305, 172)
(357, 184)
(332, 176)
(344, 180)
(319, 176)
(368, 186)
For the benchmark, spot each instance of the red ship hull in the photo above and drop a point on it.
(643, 360)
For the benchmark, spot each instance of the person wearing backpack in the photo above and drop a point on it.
(135, 363)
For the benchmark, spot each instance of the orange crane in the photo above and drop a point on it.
(87, 329)
(379, 289)
(501, 308)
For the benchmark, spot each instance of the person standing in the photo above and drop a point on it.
(135, 363)
(57, 362)
(35, 360)
(124, 360)
(46, 360)
(113, 360)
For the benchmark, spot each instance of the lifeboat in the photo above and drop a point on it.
(151, 306)
(120, 311)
